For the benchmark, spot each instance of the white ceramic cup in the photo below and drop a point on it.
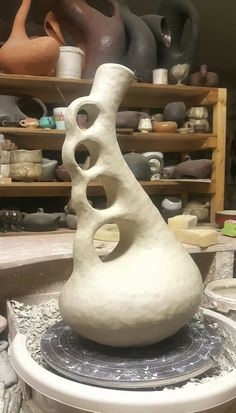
(70, 62)
(59, 117)
(160, 76)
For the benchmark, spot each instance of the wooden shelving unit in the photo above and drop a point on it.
(62, 92)
(54, 189)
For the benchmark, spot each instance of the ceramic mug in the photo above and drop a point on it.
(59, 117)
(29, 123)
(160, 76)
(198, 125)
(47, 122)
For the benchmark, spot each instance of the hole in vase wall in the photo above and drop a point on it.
(108, 232)
(87, 115)
(82, 156)
(120, 234)
(100, 199)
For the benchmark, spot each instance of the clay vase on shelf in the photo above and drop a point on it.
(25, 56)
(204, 78)
(139, 165)
(179, 73)
(175, 112)
(10, 107)
(198, 168)
(177, 12)
(100, 36)
(140, 53)
(129, 119)
(40, 221)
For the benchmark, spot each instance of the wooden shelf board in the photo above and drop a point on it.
(141, 142)
(53, 189)
(63, 91)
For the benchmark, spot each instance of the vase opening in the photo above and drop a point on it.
(165, 33)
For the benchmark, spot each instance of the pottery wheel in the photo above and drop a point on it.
(187, 354)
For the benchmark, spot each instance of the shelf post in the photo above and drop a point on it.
(218, 154)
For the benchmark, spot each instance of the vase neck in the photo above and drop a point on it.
(113, 77)
(20, 19)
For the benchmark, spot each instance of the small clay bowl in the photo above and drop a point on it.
(164, 127)
(222, 216)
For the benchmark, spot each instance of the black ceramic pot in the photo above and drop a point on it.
(175, 112)
(159, 28)
(140, 45)
(177, 12)
(139, 165)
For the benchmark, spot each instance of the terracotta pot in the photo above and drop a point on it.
(164, 127)
(25, 56)
(100, 36)
(204, 78)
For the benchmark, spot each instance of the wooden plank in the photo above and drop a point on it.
(218, 155)
(167, 142)
(64, 91)
(54, 189)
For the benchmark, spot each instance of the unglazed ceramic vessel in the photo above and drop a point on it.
(140, 53)
(177, 13)
(148, 287)
(24, 56)
(204, 78)
(100, 36)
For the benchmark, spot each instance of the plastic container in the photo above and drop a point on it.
(70, 62)
(220, 295)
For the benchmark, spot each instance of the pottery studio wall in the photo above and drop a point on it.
(215, 29)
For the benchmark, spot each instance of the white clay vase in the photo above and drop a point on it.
(148, 287)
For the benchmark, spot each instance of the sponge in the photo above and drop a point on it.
(201, 237)
(180, 222)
